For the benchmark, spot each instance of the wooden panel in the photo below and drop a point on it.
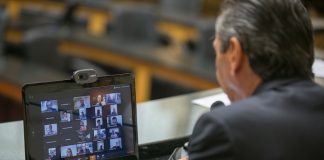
(319, 40)
(13, 9)
(184, 78)
(143, 70)
(178, 32)
(45, 6)
(10, 90)
(13, 36)
(97, 23)
(142, 74)
(98, 55)
(211, 8)
(143, 83)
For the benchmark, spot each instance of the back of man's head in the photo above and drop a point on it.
(276, 36)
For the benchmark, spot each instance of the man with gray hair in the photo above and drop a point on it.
(264, 59)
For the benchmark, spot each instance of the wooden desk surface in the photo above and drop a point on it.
(178, 116)
(145, 60)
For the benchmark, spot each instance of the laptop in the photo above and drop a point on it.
(72, 119)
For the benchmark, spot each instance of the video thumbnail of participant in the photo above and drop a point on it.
(81, 149)
(89, 147)
(50, 129)
(82, 114)
(84, 148)
(114, 133)
(66, 116)
(100, 146)
(99, 123)
(81, 102)
(84, 136)
(99, 134)
(113, 98)
(98, 111)
(115, 144)
(68, 151)
(99, 101)
(113, 110)
(52, 154)
(100, 157)
(49, 106)
(114, 121)
(83, 125)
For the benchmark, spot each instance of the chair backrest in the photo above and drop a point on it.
(204, 48)
(187, 7)
(41, 45)
(135, 23)
(3, 24)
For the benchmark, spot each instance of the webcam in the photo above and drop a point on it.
(85, 76)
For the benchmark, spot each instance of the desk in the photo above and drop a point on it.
(177, 67)
(158, 121)
(144, 60)
(164, 63)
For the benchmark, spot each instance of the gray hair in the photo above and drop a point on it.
(276, 35)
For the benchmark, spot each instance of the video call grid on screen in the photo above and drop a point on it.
(86, 123)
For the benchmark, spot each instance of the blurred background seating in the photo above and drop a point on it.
(134, 23)
(166, 44)
(183, 7)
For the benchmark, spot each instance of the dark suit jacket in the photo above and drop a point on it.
(283, 120)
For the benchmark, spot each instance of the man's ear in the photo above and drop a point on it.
(236, 56)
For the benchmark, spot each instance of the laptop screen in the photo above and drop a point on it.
(94, 122)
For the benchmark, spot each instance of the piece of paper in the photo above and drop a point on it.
(208, 101)
(318, 68)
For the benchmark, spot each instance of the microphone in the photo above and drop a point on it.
(216, 104)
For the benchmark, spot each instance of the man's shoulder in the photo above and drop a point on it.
(250, 103)
(298, 98)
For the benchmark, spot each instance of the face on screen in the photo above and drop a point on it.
(90, 122)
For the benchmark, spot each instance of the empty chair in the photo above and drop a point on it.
(203, 47)
(68, 18)
(134, 23)
(41, 47)
(3, 23)
(185, 7)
